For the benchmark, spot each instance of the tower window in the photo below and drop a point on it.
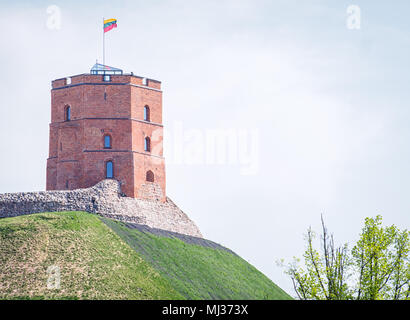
(106, 77)
(150, 176)
(107, 142)
(147, 144)
(146, 114)
(67, 113)
(109, 170)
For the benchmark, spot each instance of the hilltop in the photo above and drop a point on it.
(100, 258)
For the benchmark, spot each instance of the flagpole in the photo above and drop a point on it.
(103, 44)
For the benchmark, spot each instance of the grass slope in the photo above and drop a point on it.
(199, 272)
(94, 262)
(103, 259)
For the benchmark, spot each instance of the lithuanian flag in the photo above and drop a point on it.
(109, 24)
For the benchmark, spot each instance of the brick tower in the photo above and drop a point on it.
(107, 124)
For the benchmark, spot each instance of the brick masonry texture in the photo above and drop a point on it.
(77, 156)
(105, 199)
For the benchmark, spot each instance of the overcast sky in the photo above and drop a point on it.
(317, 112)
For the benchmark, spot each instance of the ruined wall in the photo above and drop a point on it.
(104, 199)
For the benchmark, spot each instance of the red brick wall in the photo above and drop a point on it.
(77, 156)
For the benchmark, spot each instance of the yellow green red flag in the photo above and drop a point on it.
(109, 24)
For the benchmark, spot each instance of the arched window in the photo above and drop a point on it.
(150, 176)
(107, 141)
(67, 113)
(146, 114)
(147, 144)
(109, 170)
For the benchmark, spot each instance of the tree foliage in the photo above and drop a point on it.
(377, 267)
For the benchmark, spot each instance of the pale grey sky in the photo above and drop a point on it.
(328, 104)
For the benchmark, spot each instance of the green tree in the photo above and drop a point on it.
(325, 276)
(380, 258)
(376, 268)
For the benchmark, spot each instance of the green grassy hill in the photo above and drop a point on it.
(100, 258)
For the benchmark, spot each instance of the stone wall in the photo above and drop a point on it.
(104, 199)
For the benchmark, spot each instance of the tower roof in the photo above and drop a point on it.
(99, 68)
